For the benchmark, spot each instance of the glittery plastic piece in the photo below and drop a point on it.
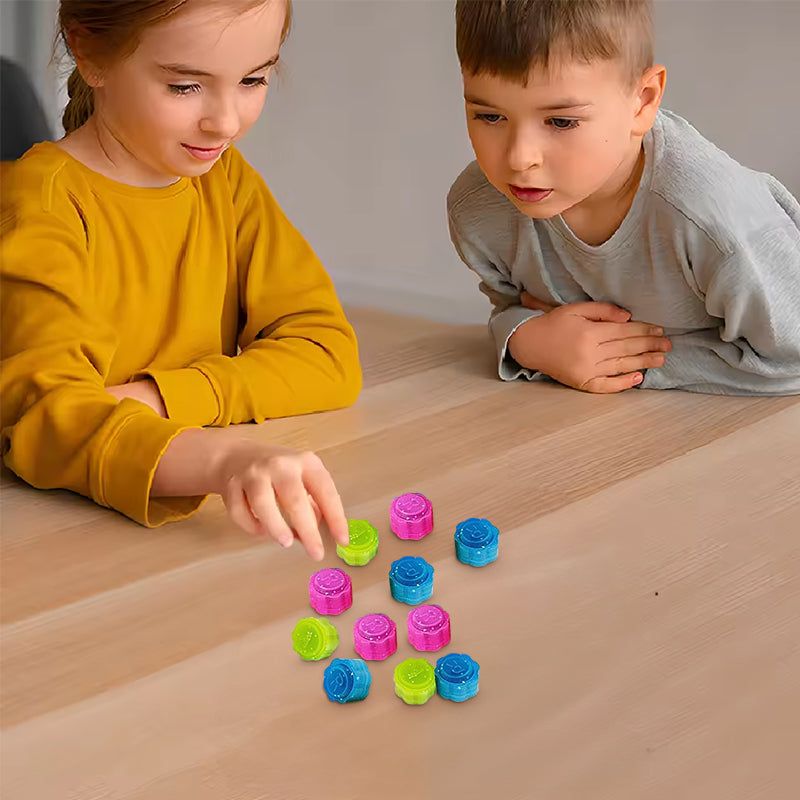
(428, 628)
(457, 677)
(476, 542)
(330, 591)
(375, 637)
(411, 580)
(314, 638)
(411, 516)
(363, 543)
(346, 680)
(414, 681)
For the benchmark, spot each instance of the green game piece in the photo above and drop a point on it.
(363, 543)
(314, 638)
(415, 681)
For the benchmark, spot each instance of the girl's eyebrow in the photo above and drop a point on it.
(183, 69)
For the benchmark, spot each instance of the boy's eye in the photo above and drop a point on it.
(184, 88)
(262, 81)
(491, 119)
(562, 123)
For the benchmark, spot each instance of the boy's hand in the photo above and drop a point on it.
(594, 347)
(271, 491)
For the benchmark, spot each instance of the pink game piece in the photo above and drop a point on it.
(428, 628)
(375, 637)
(411, 516)
(330, 591)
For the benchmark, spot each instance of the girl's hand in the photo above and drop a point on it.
(145, 391)
(271, 491)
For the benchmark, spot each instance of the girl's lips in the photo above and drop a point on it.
(529, 195)
(204, 153)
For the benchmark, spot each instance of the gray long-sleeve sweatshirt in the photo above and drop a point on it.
(709, 250)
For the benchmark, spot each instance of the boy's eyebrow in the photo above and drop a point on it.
(560, 105)
(183, 69)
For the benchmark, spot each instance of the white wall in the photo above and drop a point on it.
(364, 132)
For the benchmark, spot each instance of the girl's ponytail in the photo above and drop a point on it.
(81, 102)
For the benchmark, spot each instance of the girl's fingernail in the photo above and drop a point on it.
(285, 541)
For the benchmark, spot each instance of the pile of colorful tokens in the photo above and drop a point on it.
(330, 593)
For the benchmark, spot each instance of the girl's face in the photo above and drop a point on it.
(195, 84)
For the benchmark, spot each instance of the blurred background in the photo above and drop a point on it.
(364, 132)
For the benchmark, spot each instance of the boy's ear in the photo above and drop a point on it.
(648, 98)
(90, 72)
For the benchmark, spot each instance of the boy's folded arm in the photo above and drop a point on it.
(755, 292)
(298, 353)
(60, 428)
(507, 312)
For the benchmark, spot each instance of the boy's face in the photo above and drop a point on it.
(564, 138)
(194, 85)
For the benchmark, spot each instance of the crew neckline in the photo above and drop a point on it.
(99, 180)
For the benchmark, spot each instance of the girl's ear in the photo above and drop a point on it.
(90, 71)
(648, 96)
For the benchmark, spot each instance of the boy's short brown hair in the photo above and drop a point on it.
(509, 37)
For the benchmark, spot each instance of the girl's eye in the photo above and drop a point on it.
(262, 81)
(491, 119)
(563, 123)
(182, 89)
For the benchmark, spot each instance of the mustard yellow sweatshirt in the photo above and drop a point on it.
(204, 286)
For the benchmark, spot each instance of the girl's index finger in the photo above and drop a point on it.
(320, 486)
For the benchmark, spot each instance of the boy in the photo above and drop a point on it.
(588, 209)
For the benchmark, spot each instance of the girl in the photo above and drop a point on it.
(151, 286)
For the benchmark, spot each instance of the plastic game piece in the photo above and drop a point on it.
(314, 638)
(414, 681)
(411, 516)
(375, 637)
(346, 680)
(363, 543)
(428, 628)
(411, 580)
(330, 591)
(476, 542)
(457, 677)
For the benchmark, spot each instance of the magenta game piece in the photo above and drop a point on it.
(428, 628)
(411, 516)
(330, 591)
(375, 637)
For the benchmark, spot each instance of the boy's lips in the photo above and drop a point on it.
(529, 195)
(204, 153)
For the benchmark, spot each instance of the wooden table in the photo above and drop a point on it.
(639, 636)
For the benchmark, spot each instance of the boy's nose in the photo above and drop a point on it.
(524, 153)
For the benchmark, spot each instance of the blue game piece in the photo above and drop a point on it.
(346, 680)
(411, 580)
(476, 542)
(456, 677)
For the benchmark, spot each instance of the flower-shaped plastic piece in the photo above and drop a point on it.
(330, 591)
(314, 638)
(375, 637)
(457, 677)
(414, 681)
(411, 516)
(346, 680)
(476, 542)
(428, 628)
(363, 543)
(411, 580)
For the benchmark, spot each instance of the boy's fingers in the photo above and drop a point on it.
(634, 346)
(600, 312)
(534, 303)
(616, 383)
(624, 365)
(615, 332)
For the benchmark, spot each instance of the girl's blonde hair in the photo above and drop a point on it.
(509, 37)
(109, 30)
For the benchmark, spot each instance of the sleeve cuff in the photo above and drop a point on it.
(128, 465)
(188, 394)
(502, 327)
